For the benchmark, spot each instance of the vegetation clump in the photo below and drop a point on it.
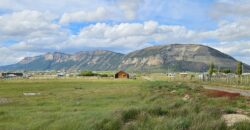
(90, 74)
(107, 104)
(168, 111)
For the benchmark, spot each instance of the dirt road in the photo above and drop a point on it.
(230, 90)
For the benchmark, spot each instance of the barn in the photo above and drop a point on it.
(121, 74)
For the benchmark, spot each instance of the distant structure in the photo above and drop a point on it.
(60, 75)
(171, 75)
(121, 74)
(183, 75)
(12, 75)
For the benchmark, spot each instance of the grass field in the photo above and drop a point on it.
(107, 104)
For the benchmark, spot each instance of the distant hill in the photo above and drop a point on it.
(85, 60)
(178, 57)
(175, 57)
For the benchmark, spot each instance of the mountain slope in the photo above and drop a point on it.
(175, 57)
(89, 60)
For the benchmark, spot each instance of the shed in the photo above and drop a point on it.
(121, 74)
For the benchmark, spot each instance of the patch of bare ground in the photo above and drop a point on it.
(242, 92)
(219, 93)
(4, 101)
(231, 119)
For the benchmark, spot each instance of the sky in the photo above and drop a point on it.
(30, 28)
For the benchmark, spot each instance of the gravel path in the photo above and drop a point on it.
(230, 90)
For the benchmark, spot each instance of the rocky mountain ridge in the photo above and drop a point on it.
(174, 57)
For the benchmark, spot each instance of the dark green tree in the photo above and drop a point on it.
(211, 70)
(239, 71)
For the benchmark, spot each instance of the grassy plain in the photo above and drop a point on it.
(108, 104)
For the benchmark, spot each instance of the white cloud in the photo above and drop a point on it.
(40, 27)
(235, 8)
(130, 7)
(118, 10)
(32, 30)
(9, 56)
(238, 49)
(237, 30)
(130, 36)
(79, 10)
(27, 23)
(100, 14)
(55, 6)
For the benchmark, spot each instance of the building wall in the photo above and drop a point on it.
(121, 75)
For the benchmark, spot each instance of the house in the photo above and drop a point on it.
(121, 74)
(12, 75)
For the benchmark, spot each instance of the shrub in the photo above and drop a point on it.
(157, 111)
(87, 73)
(109, 124)
(229, 110)
(130, 114)
(245, 125)
(103, 75)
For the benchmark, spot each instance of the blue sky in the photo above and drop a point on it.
(31, 28)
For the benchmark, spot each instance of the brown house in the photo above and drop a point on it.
(121, 74)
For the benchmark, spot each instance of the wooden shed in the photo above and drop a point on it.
(121, 74)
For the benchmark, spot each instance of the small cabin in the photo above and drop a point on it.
(121, 74)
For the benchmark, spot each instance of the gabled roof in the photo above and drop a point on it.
(121, 72)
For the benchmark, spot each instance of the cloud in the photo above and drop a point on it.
(27, 23)
(230, 31)
(117, 11)
(9, 56)
(100, 14)
(234, 8)
(129, 36)
(33, 31)
(238, 49)
(130, 7)
(121, 25)
(55, 6)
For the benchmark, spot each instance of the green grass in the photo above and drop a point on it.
(107, 104)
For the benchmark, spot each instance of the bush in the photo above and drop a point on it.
(103, 75)
(109, 124)
(245, 125)
(157, 111)
(229, 110)
(130, 114)
(90, 73)
(87, 73)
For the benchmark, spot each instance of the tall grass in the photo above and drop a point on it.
(107, 104)
(167, 111)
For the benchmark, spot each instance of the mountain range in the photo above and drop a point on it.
(174, 57)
